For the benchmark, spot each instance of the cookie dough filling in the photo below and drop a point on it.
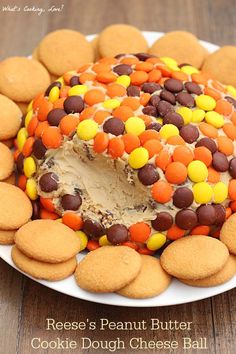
(131, 150)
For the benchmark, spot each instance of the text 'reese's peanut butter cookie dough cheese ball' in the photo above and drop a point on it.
(132, 150)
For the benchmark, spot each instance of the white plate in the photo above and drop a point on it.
(177, 293)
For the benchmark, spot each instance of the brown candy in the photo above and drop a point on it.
(208, 143)
(174, 118)
(186, 219)
(154, 100)
(74, 81)
(150, 111)
(48, 182)
(20, 163)
(185, 99)
(133, 91)
(56, 83)
(164, 107)
(117, 234)
(114, 126)
(71, 202)
(92, 228)
(162, 222)
(122, 69)
(220, 162)
(148, 175)
(55, 116)
(154, 125)
(173, 85)
(220, 213)
(73, 104)
(39, 150)
(189, 133)
(167, 96)
(232, 167)
(192, 87)
(183, 197)
(206, 215)
(150, 87)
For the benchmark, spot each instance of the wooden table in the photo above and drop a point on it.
(24, 304)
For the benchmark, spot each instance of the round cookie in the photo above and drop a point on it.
(194, 257)
(180, 45)
(120, 38)
(225, 274)
(151, 281)
(64, 50)
(15, 207)
(221, 65)
(52, 242)
(6, 162)
(40, 270)
(7, 237)
(10, 119)
(21, 79)
(228, 234)
(108, 269)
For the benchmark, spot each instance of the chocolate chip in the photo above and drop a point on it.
(122, 69)
(183, 197)
(56, 83)
(208, 143)
(220, 162)
(185, 99)
(154, 100)
(150, 111)
(232, 167)
(39, 150)
(189, 133)
(220, 214)
(71, 202)
(162, 222)
(148, 175)
(173, 85)
(174, 118)
(133, 91)
(114, 126)
(206, 215)
(73, 104)
(231, 100)
(164, 107)
(74, 81)
(36, 210)
(144, 56)
(186, 219)
(117, 234)
(92, 228)
(55, 116)
(150, 87)
(167, 96)
(48, 182)
(192, 87)
(20, 163)
(155, 126)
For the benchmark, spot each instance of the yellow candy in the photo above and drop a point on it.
(169, 61)
(54, 94)
(214, 118)
(220, 192)
(135, 125)
(138, 157)
(197, 171)
(29, 166)
(186, 114)
(22, 135)
(231, 90)
(111, 104)
(173, 67)
(61, 80)
(28, 117)
(202, 193)
(30, 106)
(83, 239)
(59, 220)
(205, 102)
(31, 189)
(198, 115)
(189, 70)
(87, 129)
(156, 241)
(77, 90)
(168, 130)
(123, 80)
(103, 241)
(159, 120)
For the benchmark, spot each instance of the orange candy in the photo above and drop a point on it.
(44, 108)
(116, 90)
(130, 61)
(144, 66)
(41, 127)
(131, 142)
(87, 113)
(153, 146)
(101, 67)
(232, 189)
(22, 179)
(144, 99)
(225, 145)
(131, 102)
(154, 75)
(68, 124)
(123, 112)
(149, 134)
(175, 232)
(94, 96)
(92, 245)
(213, 175)
(176, 172)
(59, 103)
(52, 138)
(130, 244)
(116, 147)
(138, 77)
(32, 125)
(74, 221)
(200, 230)
(213, 93)
(84, 77)
(163, 159)
(28, 147)
(203, 154)
(162, 191)
(47, 203)
(139, 232)
(44, 214)
(223, 107)
(179, 75)
(145, 251)
(100, 116)
(101, 142)
(230, 130)
(183, 154)
(208, 130)
(175, 140)
(106, 77)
